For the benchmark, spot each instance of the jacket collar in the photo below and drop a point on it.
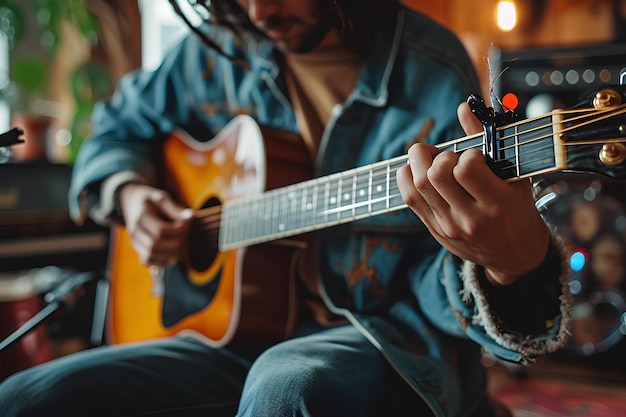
(372, 86)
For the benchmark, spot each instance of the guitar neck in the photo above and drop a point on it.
(311, 205)
(525, 149)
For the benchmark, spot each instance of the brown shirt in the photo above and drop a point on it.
(318, 81)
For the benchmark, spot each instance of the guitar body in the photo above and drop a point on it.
(240, 296)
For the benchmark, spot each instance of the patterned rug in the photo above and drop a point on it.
(532, 396)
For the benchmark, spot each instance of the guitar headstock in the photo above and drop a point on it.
(594, 133)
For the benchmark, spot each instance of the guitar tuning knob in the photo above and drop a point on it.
(606, 98)
(612, 153)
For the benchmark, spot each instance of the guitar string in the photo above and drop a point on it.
(210, 218)
(604, 114)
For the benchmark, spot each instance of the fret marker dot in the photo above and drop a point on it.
(361, 193)
(379, 188)
(281, 227)
(346, 196)
(333, 200)
(309, 206)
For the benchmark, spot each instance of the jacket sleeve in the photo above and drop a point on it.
(516, 323)
(128, 127)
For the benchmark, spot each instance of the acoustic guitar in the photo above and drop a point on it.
(256, 203)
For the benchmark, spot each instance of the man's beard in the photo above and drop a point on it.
(311, 42)
(307, 42)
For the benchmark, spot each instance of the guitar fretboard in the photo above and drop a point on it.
(315, 204)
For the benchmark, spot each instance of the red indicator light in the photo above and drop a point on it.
(510, 101)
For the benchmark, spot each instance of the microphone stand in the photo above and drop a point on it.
(55, 299)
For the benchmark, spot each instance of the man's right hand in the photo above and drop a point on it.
(157, 225)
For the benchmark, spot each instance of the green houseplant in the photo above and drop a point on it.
(46, 81)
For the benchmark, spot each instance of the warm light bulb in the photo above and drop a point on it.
(507, 15)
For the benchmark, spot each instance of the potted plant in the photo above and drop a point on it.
(51, 79)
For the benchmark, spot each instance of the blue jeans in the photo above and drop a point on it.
(334, 372)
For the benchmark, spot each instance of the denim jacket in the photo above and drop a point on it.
(423, 307)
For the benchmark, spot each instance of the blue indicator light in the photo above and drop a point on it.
(577, 261)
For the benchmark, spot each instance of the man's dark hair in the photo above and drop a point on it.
(356, 19)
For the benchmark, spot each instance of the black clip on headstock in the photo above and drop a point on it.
(490, 120)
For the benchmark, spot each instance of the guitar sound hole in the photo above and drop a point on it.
(203, 236)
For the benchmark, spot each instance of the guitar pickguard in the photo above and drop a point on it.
(181, 298)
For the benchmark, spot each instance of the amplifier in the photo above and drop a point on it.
(35, 225)
(543, 79)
